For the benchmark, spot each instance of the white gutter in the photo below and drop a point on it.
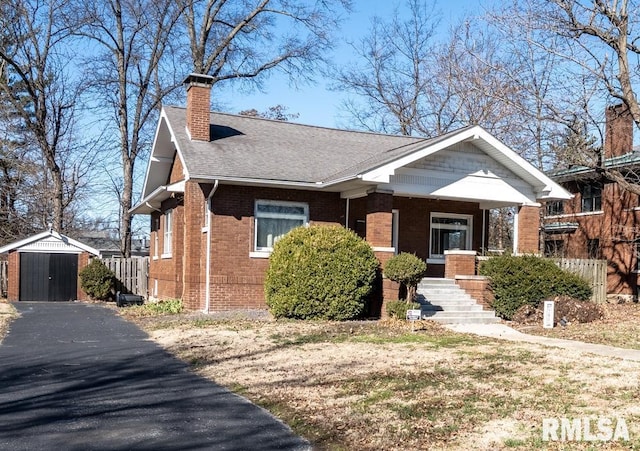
(207, 292)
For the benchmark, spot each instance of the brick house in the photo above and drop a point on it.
(603, 219)
(221, 189)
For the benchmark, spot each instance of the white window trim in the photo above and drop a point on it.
(469, 228)
(395, 224)
(167, 234)
(264, 252)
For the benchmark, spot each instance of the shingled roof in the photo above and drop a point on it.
(249, 147)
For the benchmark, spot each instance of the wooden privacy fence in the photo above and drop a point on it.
(4, 279)
(132, 274)
(593, 271)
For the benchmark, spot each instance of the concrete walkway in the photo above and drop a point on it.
(507, 333)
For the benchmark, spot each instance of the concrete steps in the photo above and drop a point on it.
(443, 301)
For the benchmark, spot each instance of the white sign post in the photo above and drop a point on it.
(414, 315)
(547, 319)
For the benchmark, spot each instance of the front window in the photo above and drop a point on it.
(274, 219)
(168, 232)
(449, 231)
(591, 198)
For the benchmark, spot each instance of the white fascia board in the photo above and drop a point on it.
(382, 174)
(24, 242)
(545, 188)
(162, 164)
(161, 193)
(260, 182)
(47, 234)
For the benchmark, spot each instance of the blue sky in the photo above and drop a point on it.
(316, 104)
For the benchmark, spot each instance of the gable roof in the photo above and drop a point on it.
(250, 150)
(49, 241)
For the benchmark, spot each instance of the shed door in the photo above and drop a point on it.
(48, 277)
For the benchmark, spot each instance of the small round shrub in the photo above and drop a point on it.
(518, 281)
(406, 269)
(398, 309)
(320, 272)
(97, 280)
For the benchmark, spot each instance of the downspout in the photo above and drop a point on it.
(346, 216)
(207, 295)
(484, 224)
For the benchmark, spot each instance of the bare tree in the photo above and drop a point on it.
(392, 78)
(276, 112)
(597, 43)
(37, 83)
(245, 40)
(133, 37)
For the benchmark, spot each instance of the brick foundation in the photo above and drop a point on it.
(478, 287)
(459, 263)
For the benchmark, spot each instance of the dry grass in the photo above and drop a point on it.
(620, 327)
(7, 315)
(377, 385)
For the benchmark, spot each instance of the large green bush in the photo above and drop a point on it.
(406, 269)
(320, 272)
(528, 279)
(97, 280)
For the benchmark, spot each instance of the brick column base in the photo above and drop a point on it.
(478, 288)
(459, 263)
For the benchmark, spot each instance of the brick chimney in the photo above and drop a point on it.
(618, 133)
(198, 106)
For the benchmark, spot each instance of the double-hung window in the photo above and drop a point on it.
(168, 233)
(449, 231)
(273, 219)
(591, 198)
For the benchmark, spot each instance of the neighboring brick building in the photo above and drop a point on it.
(603, 219)
(221, 189)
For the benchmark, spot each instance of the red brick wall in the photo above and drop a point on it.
(478, 288)
(615, 227)
(168, 271)
(198, 108)
(13, 287)
(528, 230)
(237, 280)
(618, 137)
(459, 264)
(378, 219)
(177, 171)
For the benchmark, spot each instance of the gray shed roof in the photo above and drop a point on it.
(256, 148)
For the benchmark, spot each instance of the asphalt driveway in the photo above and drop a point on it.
(78, 377)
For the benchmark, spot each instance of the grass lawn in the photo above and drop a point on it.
(7, 314)
(377, 385)
(620, 327)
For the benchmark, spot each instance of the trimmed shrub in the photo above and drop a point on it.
(398, 309)
(320, 272)
(518, 281)
(97, 280)
(406, 269)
